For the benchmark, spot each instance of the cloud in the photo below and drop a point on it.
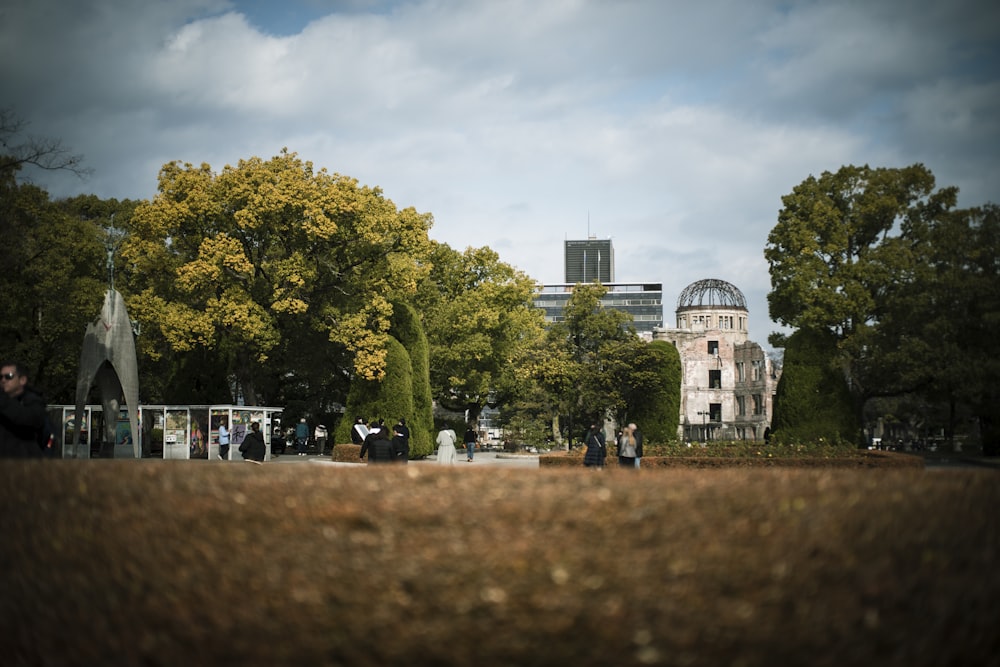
(674, 129)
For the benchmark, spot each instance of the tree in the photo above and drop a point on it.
(253, 262)
(53, 263)
(477, 314)
(937, 341)
(19, 150)
(592, 335)
(543, 386)
(53, 276)
(834, 251)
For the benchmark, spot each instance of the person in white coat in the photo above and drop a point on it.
(446, 440)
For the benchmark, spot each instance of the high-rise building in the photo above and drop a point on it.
(590, 260)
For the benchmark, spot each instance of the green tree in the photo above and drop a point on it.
(477, 314)
(937, 341)
(834, 250)
(257, 260)
(544, 383)
(53, 274)
(593, 336)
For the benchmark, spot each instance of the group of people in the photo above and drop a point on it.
(377, 442)
(628, 444)
(446, 440)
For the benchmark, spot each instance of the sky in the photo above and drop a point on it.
(673, 128)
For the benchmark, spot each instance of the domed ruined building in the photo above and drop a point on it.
(727, 383)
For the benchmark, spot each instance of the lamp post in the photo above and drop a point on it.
(704, 424)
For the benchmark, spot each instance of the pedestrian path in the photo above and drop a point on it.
(481, 459)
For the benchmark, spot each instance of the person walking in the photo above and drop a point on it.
(223, 440)
(596, 450)
(22, 414)
(628, 447)
(301, 437)
(253, 448)
(446, 440)
(469, 439)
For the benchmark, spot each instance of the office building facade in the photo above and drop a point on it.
(643, 301)
(589, 260)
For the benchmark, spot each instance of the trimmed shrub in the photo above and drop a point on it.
(346, 453)
(659, 415)
(389, 399)
(812, 401)
(407, 328)
(856, 459)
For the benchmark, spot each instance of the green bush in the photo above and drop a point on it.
(388, 399)
(659, 415)
(407, 328)
(812, 400)
(746, 456)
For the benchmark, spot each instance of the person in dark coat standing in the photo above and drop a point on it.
(401, 442)
(253, 448)
(377, 445)
(596, 450)
(22, 414)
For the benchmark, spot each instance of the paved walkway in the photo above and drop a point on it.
(480, 459)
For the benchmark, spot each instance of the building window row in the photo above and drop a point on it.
(725, 322)
(757, 405)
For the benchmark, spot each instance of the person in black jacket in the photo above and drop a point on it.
(253, 448)
(596, 449)
(22, 414)
(377, 445)
(401, 442)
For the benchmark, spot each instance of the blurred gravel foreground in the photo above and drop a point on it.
(188, 563)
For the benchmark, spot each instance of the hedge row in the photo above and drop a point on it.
(862, 458)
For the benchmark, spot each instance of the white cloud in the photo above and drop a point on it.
(673, 128)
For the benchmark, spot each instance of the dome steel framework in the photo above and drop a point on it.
(711, 292)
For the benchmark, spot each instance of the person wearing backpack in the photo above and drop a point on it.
(22, 414)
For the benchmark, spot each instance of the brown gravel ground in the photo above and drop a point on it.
(186, 563)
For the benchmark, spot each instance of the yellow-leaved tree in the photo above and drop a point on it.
(277, 268)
